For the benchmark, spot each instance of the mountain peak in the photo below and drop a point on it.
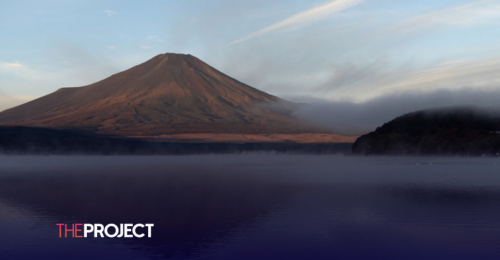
(172, 56)
(170, 93)
(177, 64)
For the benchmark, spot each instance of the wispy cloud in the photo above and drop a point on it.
(11, 66)
(146, 47)
(479, 12)
(460, 74)
(17, 69)
(22, 71)
(361, 83)
(110, 13)
(111, 47)
(316, 13)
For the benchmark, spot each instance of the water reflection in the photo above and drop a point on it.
(253, 207)
(188, 209)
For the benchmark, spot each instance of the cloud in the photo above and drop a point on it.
(360, 118)
(481, 12)
(366, 82)
(111, 47)
(374, 52)
(323, 74)
(146, 47)
(110, 13)
(22, 71)
(11, 66)
(316, 13)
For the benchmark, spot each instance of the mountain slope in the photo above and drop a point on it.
(169, 94)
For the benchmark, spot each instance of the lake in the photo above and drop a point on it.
(253, 206)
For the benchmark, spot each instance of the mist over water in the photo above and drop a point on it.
(253, 206)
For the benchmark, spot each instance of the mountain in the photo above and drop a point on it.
(169, 94)
(446, 131)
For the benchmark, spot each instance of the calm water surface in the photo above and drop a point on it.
(253, 207)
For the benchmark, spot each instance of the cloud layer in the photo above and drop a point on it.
(474, 13)
(356, 119)
(362, 83)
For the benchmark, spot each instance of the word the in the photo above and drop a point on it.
(110, 230)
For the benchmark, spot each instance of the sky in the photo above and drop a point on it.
(333, 54)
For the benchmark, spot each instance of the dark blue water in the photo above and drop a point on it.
(253, 207)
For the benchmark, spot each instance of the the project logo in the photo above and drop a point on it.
(110, 230)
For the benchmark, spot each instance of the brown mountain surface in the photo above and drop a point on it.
(254, 138)
(169, 94)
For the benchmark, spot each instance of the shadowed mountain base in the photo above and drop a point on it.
(46, 141)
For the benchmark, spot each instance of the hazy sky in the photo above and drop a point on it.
(343, 51)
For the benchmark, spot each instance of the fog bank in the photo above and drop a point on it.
(350, 118)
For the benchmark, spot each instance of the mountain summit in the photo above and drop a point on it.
(168, 94)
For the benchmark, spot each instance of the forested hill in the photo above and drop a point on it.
(464, 131)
